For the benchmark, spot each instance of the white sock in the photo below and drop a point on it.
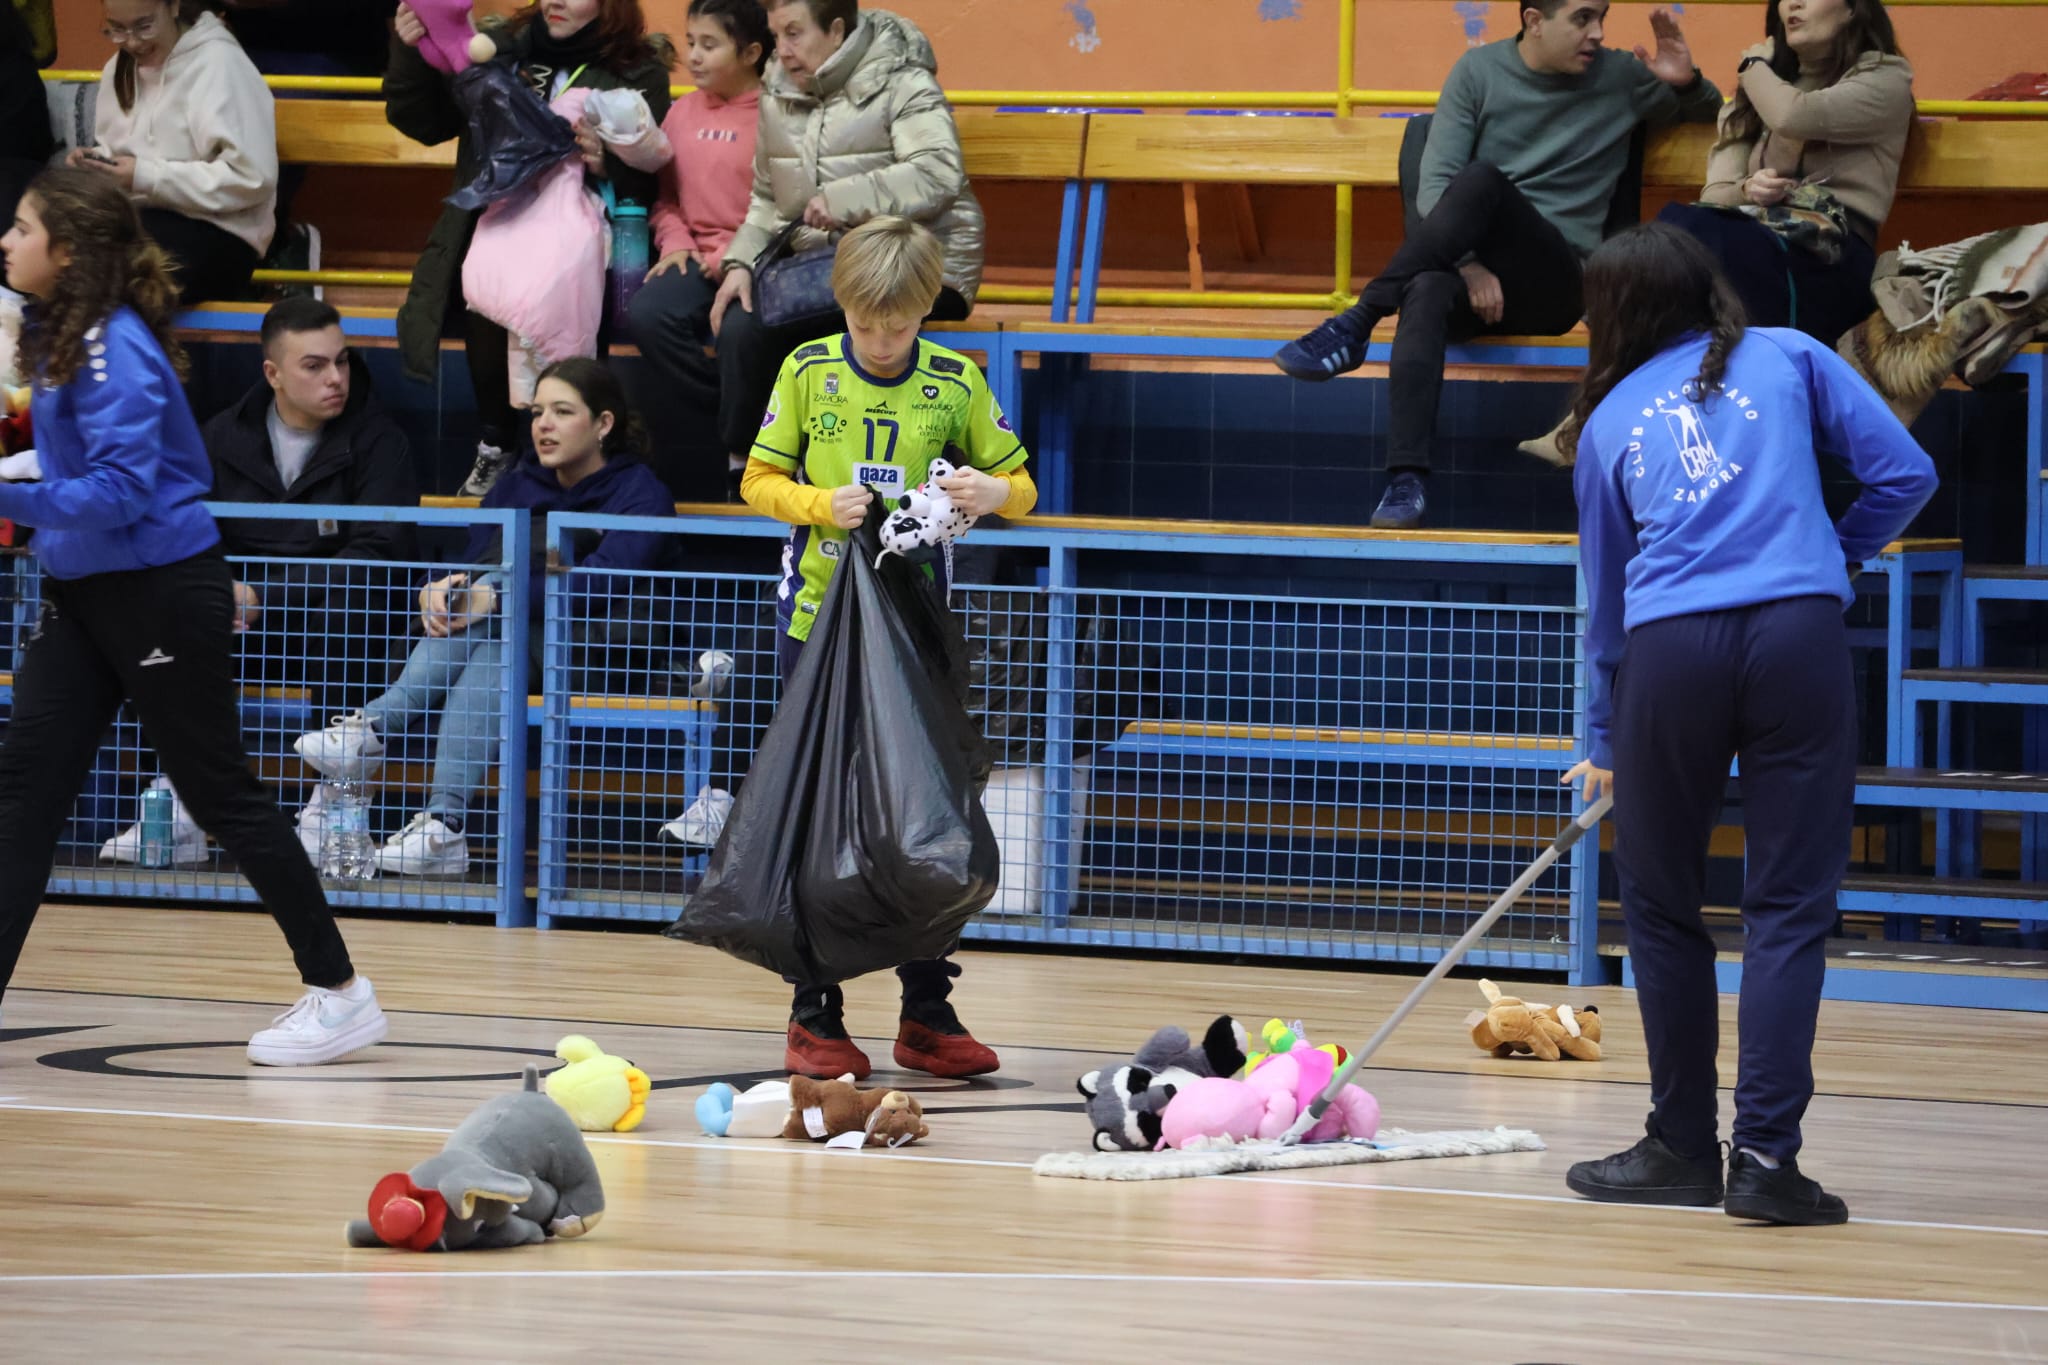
(1769, 1163)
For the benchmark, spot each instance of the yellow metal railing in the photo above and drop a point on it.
(1342, 101)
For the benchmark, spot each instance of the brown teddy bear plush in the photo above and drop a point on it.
(1509, 1026)
(820, 1110)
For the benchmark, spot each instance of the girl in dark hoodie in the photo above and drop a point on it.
(581, 429)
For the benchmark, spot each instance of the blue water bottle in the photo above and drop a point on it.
(631, 256)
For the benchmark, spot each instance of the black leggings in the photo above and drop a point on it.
(162, 639)
(207, 262)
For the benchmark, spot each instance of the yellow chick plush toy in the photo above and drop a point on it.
(602, 1094)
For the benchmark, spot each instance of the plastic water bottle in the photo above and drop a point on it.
(631, 256)
(159, 817)
(346, 853)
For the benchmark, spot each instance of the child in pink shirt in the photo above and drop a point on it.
(704, 195)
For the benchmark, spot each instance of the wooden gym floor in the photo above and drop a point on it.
(163, 1201)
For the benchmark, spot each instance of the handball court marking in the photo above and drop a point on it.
(1030, 1277)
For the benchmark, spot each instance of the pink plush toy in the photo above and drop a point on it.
(1211, 1110)
(447, 44)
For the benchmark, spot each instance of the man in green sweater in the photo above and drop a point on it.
(1530, 136)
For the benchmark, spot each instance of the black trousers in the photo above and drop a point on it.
(749, 354)
(1782, 285)
(1772, 686)
(163, 640)
(207, 262)
(1481, 214)
(490, 379)
(671, 323)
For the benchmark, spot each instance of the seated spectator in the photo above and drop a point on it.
(853, 126)
(26, 139)
(704, 194)
(308, 38)
(587, 44)
(310, 433)
(190, 132)
(1822, 105)
(584, 437)
(1530, 136)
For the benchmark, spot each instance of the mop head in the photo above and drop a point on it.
(1392, 1144)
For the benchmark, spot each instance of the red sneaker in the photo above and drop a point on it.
(919, 1048)
(823, 1059)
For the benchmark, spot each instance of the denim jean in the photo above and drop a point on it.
(463, 675)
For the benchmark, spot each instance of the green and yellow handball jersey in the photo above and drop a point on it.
(830, 423)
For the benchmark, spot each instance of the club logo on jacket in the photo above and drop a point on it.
(1705, 469)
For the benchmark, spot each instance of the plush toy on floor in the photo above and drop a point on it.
(513, 1173)
(1279, 1038)
(1265, 1104)
(602, 1094)
(1510, 1026)
(816, 1111)
(1124, 1102)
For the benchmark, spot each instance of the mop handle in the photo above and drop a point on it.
(1581, 825)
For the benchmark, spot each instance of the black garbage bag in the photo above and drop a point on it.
(858, 841)
(513, 135)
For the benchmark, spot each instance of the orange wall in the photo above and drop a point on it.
(1290, 44)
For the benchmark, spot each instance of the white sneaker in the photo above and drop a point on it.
(424, 848)
(313, 824)
(348, 749)
(491, 464)
(704, 821)
(324, 1025)
(188, 841)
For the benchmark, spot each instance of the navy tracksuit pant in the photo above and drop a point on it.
(1769, 685)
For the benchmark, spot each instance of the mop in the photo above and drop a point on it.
(1287, 1152)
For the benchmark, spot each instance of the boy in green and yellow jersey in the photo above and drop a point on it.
(871, 409)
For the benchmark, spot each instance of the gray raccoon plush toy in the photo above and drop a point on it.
(1124, 1102)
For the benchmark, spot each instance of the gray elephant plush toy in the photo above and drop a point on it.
(1124, 1102)
(513, 1173)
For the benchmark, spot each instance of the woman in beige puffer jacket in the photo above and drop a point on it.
(867, 133)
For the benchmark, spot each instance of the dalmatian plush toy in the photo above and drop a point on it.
(1124, 1102)
(925, 517)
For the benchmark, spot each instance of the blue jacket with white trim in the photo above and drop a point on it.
(124, 470)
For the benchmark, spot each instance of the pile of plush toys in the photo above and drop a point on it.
(1174, 1093)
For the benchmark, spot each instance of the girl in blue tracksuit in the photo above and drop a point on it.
(1715, 590)
(138, 602)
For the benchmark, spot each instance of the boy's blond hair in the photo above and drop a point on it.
(888, 269)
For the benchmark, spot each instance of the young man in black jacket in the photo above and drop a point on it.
(310, 434)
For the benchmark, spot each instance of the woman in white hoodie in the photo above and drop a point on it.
(187, 126)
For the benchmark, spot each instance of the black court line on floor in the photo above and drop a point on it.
(602, 1024)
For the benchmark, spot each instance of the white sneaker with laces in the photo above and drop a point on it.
(188, 841)
(313, 824)
(424, 848)
(491, 464)
(701, 824)
(324, 1025)
(349, 749)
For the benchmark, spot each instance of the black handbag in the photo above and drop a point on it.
(794, 288)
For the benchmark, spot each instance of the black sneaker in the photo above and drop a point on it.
(1758, 1194)
(1402, 505)
(1648, 1173)
(1335, 346)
